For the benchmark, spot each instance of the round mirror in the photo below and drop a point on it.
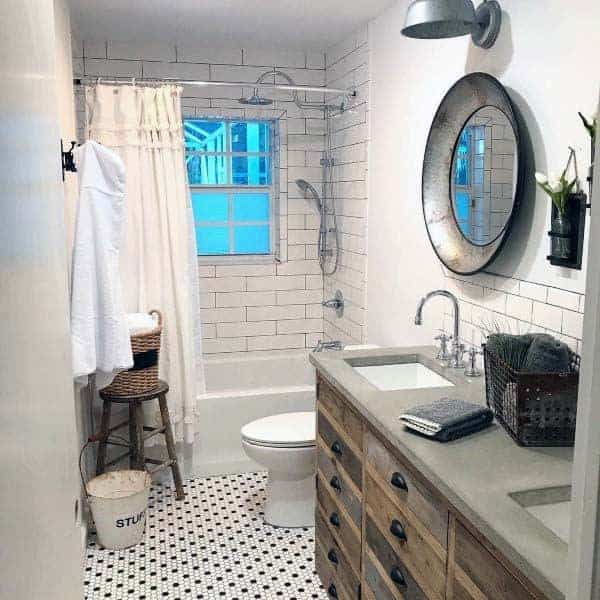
(472, 174)
(483, 179)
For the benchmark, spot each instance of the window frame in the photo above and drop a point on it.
(231, 189)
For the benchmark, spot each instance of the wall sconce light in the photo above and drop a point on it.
(436, 19)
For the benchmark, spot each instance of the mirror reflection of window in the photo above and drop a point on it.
(484, 176)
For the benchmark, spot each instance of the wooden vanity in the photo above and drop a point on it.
(383, 532)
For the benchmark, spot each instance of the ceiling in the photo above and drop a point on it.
(294, 24)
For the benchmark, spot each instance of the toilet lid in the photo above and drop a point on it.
(288, 430)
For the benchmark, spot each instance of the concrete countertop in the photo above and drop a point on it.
(476, 473)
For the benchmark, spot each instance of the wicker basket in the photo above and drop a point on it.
(537, 409)
(143, 376)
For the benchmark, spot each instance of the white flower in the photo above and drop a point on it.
(541, 178)
(555, 185)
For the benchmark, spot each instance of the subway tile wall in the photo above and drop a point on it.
(347, 65)
(245, 307)
(489, 301)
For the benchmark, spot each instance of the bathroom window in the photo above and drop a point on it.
(229, 166)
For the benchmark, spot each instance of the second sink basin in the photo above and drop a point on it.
(550, 506)
(401, 376)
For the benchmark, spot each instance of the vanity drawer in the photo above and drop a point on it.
(332, 564)
(337, 407)
(346, 534)
(341, 451)
(384, 571)
(409, 539)
(341, 485)
(404, 489)
(474, 573)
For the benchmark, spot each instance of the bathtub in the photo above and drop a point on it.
(241, 388)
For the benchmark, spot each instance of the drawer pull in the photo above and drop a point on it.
(335, 483)
(397, 530)
(334, 519)
(333, 557)
(336, 448)
(397, 577)
(332, 591)
(398, 481)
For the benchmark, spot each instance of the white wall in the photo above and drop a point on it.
(41, 554)
(545, 58)
(245, 307)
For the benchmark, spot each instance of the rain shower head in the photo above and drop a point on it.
(307, 187)
(255, 99)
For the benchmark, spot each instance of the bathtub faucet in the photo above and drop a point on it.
(328, 345)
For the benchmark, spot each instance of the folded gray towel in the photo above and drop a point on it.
(546, 354)
(531, 352)
(447, 418)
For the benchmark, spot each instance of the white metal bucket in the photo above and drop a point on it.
(119, 502)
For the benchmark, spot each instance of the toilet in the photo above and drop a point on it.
(285, 444)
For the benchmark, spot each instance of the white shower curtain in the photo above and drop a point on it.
(143, 125)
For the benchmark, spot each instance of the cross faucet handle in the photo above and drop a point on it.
(443, 353)
(472, 370)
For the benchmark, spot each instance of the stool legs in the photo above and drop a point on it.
(104, 432)
(166, 421)
(140, 454)
(133, 441)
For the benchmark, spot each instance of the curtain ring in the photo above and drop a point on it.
(133, 81)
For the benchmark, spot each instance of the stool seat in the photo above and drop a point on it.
(139, 433)
(161, 388)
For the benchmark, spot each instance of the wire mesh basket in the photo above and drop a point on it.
(537, 409)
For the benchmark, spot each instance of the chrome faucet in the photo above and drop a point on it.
(458, 349)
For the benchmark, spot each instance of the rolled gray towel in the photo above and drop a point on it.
(546, 354)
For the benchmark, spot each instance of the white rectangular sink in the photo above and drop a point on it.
(402, 376)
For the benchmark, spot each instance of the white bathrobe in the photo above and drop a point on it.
(100, 336)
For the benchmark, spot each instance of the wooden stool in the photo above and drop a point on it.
(138, 435)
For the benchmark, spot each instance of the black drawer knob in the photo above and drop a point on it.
(398, 481)
(397, 530)
(333, 557)
(332, 591)
(335, 483)
(336, 448)
(334, 519)
(397, 577)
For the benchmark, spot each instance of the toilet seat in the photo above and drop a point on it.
(288, 430)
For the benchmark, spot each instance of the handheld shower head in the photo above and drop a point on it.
(307, 187)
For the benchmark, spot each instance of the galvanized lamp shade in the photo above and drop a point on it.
(436, 19)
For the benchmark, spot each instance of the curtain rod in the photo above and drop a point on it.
(201, 83)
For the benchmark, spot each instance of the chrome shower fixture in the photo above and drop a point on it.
(307, 187)
(437, 19)
(257, 100)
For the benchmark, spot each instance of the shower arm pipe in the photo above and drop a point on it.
(202, 83)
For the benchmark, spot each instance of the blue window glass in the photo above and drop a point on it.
(206, 169)
(251, 207)
(250, 136)
(250, 170)
(205, 136)
(210, 206)
(212, 240)
(461, 162)
(229, 172)
(251, 239)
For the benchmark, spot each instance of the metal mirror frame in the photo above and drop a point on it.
(465, 97)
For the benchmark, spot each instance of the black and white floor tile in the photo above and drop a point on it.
(212, 545)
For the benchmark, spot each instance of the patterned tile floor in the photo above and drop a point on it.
(212, 545)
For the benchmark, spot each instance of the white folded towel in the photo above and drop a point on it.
(139, 323)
